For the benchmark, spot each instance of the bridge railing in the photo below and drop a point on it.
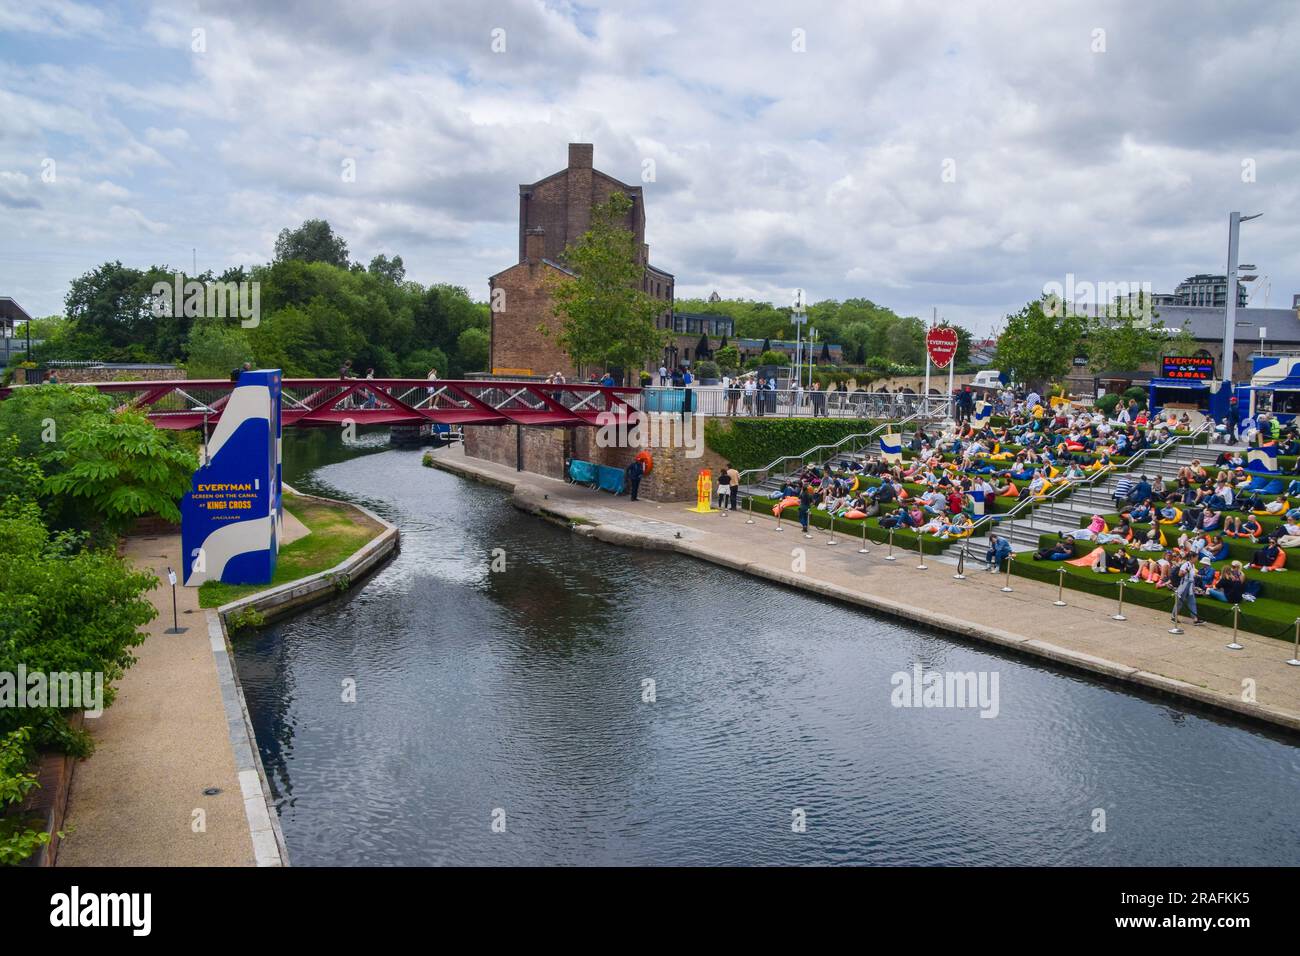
(719, 402)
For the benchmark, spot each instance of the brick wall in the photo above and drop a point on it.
(525, 304)
(545, 450)
(69, 376)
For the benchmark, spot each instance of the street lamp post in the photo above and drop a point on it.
(1235, 219)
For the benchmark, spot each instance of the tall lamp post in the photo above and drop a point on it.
(1235, 219)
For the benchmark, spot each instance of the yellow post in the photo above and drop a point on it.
(703, 489)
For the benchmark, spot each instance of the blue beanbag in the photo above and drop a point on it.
(1258, 483)
(1274, 487)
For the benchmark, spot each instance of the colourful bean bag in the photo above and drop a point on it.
(854, 515)
(783, 504)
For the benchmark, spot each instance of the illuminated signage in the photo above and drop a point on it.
(1197, 368)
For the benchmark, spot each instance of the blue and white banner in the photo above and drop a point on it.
(891, 448)
(232, 517)
(978, 497)
(1263, 458)
(983, 411)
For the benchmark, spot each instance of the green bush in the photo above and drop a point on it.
(755, 442)
(18, 841)
(707, 369)
(772, 357)
(1138, 394)
(1106, 404)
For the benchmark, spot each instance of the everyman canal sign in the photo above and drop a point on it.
(1196, 367)
(232, 517)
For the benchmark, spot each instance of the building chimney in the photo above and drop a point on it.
(580, 155)
(535, 244)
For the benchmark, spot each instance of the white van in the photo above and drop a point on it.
(987, 378)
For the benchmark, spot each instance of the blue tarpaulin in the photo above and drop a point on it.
(582, 472)
(611, 479)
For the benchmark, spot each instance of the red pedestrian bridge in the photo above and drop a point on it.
(381, 401)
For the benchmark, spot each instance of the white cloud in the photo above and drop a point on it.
(821, 169)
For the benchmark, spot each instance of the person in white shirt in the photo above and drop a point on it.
(663, 376)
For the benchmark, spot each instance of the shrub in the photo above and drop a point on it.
(1106, 404)
(753, 443)
(707, 369)
(18, 841)
(772, 357)
(66, 609)
(1138, 394)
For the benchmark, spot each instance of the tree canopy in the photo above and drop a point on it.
(605, 318)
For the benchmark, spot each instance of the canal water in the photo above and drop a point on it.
(518, 697)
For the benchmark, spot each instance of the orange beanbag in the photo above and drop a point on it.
(855, 514)
(783, 504)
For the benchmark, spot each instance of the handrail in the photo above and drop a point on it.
(875, 432)
(1074, 484)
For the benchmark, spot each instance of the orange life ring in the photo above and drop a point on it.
(647, 461)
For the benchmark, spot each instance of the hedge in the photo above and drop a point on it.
(756, 442)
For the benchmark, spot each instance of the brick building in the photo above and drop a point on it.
(553, 214)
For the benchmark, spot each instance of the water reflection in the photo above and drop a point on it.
(522, 691)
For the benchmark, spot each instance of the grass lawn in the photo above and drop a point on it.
(337, 531)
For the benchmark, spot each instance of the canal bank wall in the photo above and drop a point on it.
(1253, 684)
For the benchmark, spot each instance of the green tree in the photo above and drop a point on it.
(604, 316)
(114, 471)
(1038, 344)
(391, 270)
(728, 358)
(773, 358)
(472, 350)
(1123, 338)
(313, 241)
(215, 348)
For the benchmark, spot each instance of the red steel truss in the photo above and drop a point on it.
(383, 401)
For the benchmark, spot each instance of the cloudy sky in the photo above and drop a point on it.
(953, 155)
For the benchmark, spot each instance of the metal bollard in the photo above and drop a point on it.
(832, 540)
(920, 546)
(750, 519)
(1006, 582)
(1236, 619)
(1295, 651)
(1060, 587)
(961, 565)
(1175, 629)
(863, 549)
(890, 555)
(779, 512)
(1119, 615)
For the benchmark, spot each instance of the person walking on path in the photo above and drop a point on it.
(806, 499)
(735, 485)
(1184, 592)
